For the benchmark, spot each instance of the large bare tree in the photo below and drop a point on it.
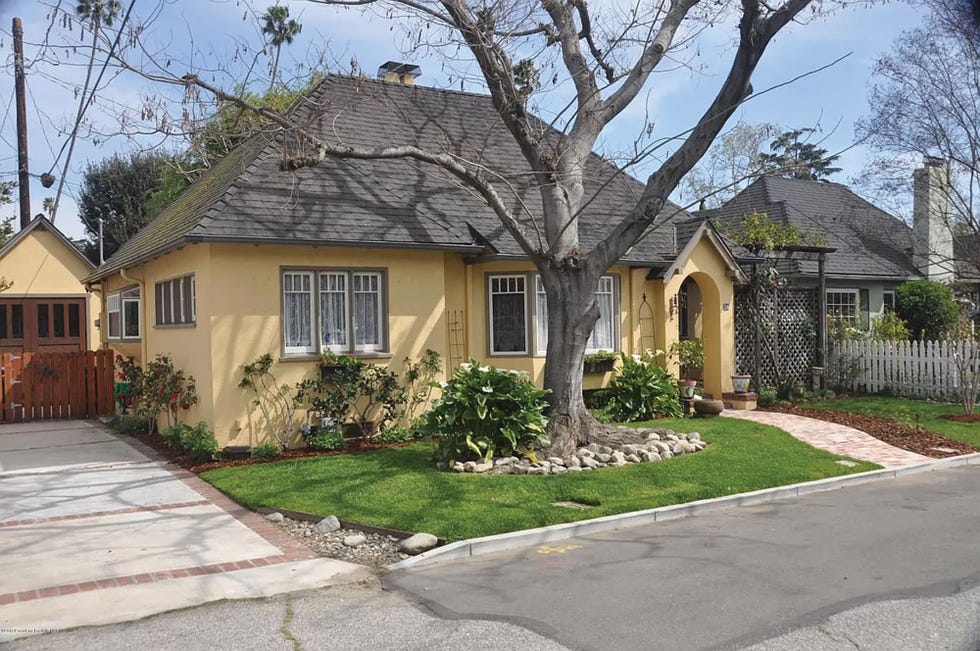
(926, 102)
(607, 59)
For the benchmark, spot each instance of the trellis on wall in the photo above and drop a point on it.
(785, 347)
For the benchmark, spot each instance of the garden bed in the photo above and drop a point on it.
(904, 435)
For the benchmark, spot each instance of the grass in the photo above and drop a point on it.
(399, 487)
(913, 412)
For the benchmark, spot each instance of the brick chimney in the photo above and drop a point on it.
(932, 247)
(399, 73)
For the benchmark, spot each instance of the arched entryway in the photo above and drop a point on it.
(696, 312)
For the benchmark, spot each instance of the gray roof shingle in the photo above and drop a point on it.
(869, 241)
(383, 202)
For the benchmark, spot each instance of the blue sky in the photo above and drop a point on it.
(831, 100)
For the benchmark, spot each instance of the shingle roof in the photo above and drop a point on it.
(869, 241)
(391, 202)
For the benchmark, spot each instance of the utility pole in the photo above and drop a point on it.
(23, 179)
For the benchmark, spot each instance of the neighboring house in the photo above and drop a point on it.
(47, 308)
(384, 259)
(876, 251)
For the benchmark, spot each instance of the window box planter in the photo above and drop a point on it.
(598, 365)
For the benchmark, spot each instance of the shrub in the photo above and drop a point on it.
(131, 425)
(485, 411)
(327, 440)
(355, 392)
(928, 307)
(641, 391)
(159, 388)
(199, 442)
(890, 327)
(174, 435)
(690, 355)
(419, 378)
(766, 397)
(266, 450)
(271, 398)
(396, 434)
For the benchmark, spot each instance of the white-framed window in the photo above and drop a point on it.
(175, 301)
(509, 325)
(123, 314)
(603, 335)
(843, 304)
(888, 301)
(342, 310)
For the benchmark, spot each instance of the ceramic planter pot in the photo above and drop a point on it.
(687, 388)
(741, 383)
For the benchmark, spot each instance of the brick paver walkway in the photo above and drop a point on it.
(838, 439)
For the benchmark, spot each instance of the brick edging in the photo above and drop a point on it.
(143, 577)
(268, 531)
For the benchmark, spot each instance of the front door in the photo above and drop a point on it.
(50, 325)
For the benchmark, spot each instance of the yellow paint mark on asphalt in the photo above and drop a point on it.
(560, 549)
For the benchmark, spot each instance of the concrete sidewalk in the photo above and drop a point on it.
(95, 529)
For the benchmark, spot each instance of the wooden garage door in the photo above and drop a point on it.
(48, 325)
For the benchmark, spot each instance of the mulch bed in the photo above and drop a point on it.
(178, 458)
(962, 418)
(893, 432)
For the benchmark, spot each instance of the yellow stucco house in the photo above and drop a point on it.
(47, 307)
(387, 258)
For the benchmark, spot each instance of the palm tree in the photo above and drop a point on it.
(280, 30)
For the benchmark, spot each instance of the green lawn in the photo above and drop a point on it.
(914, 412)
(399, 487)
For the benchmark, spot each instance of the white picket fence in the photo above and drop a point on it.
(912, 369)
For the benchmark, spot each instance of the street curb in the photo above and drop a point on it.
(541, 535)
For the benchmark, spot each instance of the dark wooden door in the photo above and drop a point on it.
(50, 325)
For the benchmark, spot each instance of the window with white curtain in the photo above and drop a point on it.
(603, 334)
(338, 310)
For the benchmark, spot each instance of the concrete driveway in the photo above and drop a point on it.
(95, 529)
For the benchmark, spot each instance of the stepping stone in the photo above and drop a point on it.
(849, 464)
(945, 450)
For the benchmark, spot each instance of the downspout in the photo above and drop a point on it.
(467, 315)
(139, 281)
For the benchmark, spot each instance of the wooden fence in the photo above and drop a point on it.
(45, 386)
(913, 369)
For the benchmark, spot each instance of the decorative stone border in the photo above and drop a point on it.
(657, 445)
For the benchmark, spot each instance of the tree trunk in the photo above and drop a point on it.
(572, 313)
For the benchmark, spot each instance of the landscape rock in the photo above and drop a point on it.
(556, 461)
(469, 466)
(356, 540)
(505, 461)
(328, 524)
(483, 467)
(418, 543)
(573, 462)
(603, 457)
(275, 517)
(589, 463)
(632, 458)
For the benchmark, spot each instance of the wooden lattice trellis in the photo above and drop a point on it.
(787, 317)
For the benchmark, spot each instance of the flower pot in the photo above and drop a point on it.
(687, 388)
(740, 383)
(598, 365)
(709, 407)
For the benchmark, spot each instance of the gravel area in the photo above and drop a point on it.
(901, 435)
(376, 550)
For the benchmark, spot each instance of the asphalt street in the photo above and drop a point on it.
(739, 577)
(891, 565)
